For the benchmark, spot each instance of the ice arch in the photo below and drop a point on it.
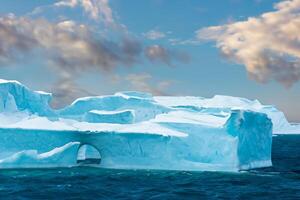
(88, 155)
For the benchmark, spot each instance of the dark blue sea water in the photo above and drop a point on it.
(282, 181)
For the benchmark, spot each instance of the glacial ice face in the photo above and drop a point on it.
(250, 122)
(136, 130)
(16, 97)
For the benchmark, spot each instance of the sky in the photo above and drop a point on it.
(74, 48)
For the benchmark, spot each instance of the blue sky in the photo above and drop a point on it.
(184, 65)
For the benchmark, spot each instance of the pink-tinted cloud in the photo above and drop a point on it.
(268, 45)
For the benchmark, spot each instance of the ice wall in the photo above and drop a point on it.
(254, 149)
(16, 97)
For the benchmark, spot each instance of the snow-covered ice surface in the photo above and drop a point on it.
(222, 105)
(136, 130)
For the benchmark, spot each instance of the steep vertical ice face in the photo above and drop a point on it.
(16, 97)
(254, 133)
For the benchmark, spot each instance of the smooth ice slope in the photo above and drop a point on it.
(135, 130)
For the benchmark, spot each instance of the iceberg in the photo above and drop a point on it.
(135, 130)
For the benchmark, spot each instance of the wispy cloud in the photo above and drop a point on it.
(66, 90)
(268, 45)
(65, 44)
(177, 41)
(74, 47)
(154, 35)
(158, 53)
(141, 82)
(96, 9)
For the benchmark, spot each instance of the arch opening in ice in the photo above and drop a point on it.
(88, 155)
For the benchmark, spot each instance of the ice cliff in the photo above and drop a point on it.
(135, 130)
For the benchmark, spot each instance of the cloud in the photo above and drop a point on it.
(157, 53)
(141, 82)
(268, 45)
(177, 41)
(13, 41)
(67, 45)
(65, 91)
(71, 49)
(96, 9)
(154, 35)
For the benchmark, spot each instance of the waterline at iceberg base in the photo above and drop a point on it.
(133, 130)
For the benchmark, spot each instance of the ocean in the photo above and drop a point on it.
(282, 181)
